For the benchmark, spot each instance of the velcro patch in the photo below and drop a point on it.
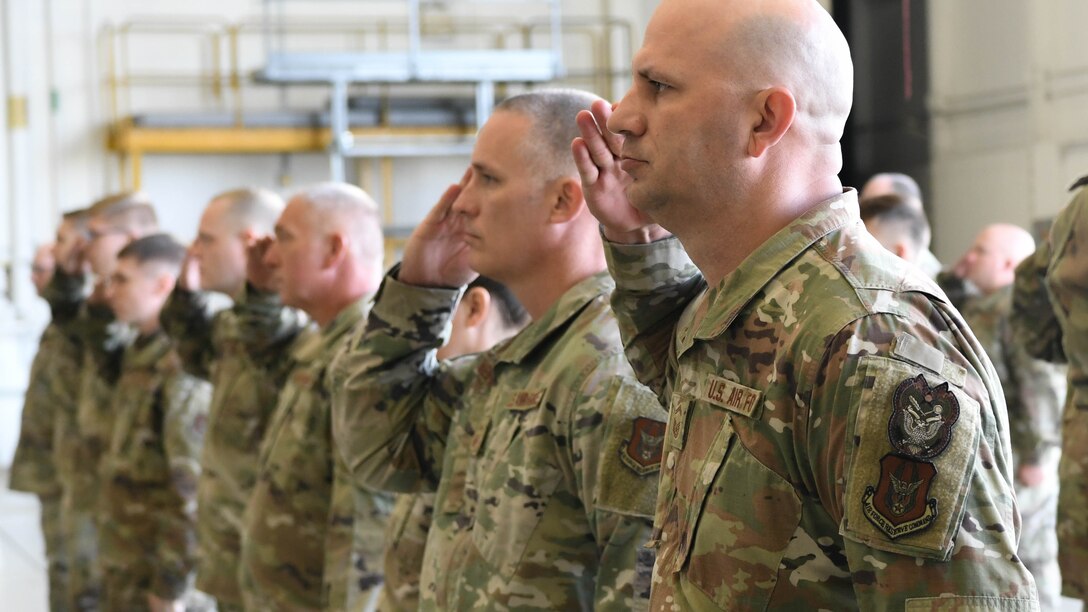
(678, 416)
(730, 395)
(914, 350)
(524, 400)
(909, 465)
(642, 451)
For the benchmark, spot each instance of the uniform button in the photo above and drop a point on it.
(670, 463)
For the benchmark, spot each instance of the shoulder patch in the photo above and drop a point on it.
(642, 451)
(922, 418)
(900, 502)
(913, 451)
(630, 451)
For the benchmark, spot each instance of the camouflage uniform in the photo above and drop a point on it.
(544, 449)
(1049, 318)
(406, 537)
(836, 436)
(297, 536)
(1034, 394)
(82, 431)
(149, 476)
(51, 390)
(242, 352)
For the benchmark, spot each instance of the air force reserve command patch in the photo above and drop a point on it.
(642, 451)
(900, 503)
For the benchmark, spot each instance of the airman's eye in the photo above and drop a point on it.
(658, 86)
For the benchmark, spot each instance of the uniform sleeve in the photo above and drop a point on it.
(32, 468)
(654, 283)
(354, 542)
(102, 338)
(187, 318)
(266, 325)
(1035, 411)
(185, 411)
(338, 539)
(65, 295)
(617, 434)
(1034, 324)
(393, 402)
(909, 453)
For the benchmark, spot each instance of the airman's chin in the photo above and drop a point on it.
(484, 266)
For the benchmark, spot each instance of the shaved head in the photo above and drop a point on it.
(129, 211)
(893, 183)
(793, 44)
(232, 222)
(248, 208)
(339, 207)
(990, 263)
(552, 113)
(328, 249)
(1010, 240)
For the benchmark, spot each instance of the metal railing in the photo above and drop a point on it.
(220, 67)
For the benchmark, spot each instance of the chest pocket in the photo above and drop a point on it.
(233, 398)
(138, 445)
(515, 475)
(730, 519)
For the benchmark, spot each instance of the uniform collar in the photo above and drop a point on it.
(714, 310)
(146, 351)
(569, 305)
(312, 346)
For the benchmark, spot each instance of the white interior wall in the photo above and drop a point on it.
(1009, 90)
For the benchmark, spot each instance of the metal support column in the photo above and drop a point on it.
(338, 127)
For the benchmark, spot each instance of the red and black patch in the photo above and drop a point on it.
(642, 451)
(922, 418)
(900, 502)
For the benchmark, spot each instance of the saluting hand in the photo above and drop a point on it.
(189, 277)
(436, 254)
(258, 272)
(69, 257)
(596, 154)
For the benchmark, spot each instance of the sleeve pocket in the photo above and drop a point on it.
(913, 447)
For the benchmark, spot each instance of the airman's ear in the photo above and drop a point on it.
(337, 248)
(566, 199)
(776, 109)
(478, 302)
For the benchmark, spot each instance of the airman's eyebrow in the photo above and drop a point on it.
(482, 167)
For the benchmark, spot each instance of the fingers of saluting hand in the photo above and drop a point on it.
(442, 210)
(597, 141)
(602, 111)
(584, 161)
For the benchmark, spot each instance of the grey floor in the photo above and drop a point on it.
(22, 552)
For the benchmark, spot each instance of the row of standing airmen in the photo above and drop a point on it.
(724, 394)
(138, 487)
